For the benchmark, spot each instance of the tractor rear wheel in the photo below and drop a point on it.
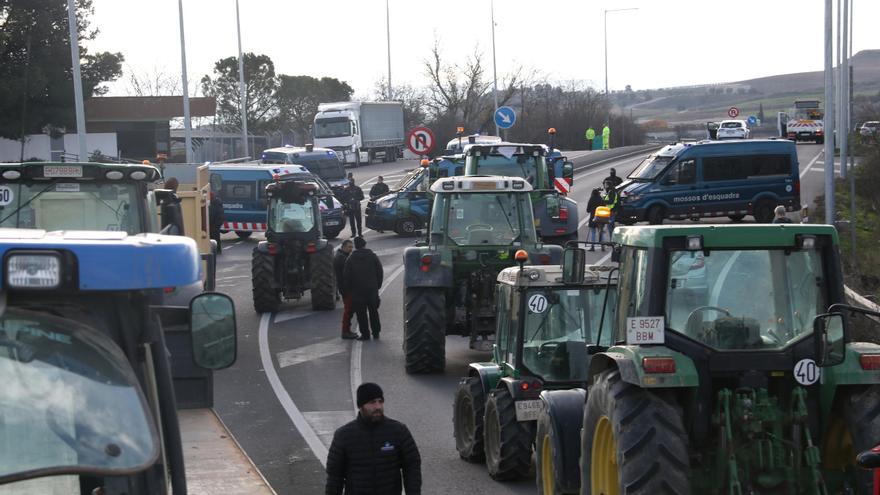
(633, 440)
(266, 298)
(467, 419)
(508, 442)
(557, 442)
(424, 329)
(323, 283)
(854, 429)
(547, 462)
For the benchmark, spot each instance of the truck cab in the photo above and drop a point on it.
(360, 131)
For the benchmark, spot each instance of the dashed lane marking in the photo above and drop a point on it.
(325, 423)
(812, 162)
(311, 352)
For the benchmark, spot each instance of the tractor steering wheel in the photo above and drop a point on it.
(692, 321)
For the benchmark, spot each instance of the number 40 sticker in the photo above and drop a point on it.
(806, 372)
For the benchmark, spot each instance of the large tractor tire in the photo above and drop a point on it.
(633, 440)
(266, 298)
(854, 428)
(424, 329)
(467, 419)
(323, 284)
(508, 442)
(557, 442)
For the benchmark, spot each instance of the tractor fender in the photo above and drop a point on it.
(263, 247)
(847, 373)
(322, 244)
(628, 359)
(488, 373)
(566, 410)
(439, 273)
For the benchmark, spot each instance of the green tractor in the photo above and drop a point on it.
(736, 367)
(546, 316)
(476, 226)
(294, 257)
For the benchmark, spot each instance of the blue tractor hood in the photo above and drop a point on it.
(113, 261)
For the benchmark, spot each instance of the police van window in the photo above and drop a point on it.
(274, 157)
(238, 190)
(743, 167)
(682, 173)
(771, 165)
(261, 188)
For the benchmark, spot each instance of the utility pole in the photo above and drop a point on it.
(77, 82)
(187, 126)
(388, 37)
(829, 116)
(494, 68)
(242, 89)
(843, 129)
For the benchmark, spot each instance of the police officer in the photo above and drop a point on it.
(380, 188)
(610, 197)
(352, 196)
(613, 178)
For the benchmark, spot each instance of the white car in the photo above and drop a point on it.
(733, 129)
(870, 129)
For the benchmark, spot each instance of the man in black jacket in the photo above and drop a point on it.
(369, 455)
(380, 188)
(352, 197)
(613, 177)
(362, 278)
(338, 267)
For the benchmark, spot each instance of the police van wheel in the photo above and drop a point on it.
(322, 283)
(763, 212)
(655, 215)
(243, 234)
(736, 218)
(424, 329)
(266, 298)
(508, 442)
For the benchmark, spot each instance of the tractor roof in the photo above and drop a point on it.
(506, 149)
(77, 170)
(481, 184)
(551, 276)
(723, 236)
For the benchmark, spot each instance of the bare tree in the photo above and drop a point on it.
(157, 83)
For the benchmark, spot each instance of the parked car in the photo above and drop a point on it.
(870, 129)
(733, 129)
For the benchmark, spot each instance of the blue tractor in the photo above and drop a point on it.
(87, 403)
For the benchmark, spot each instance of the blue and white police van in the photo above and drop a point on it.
(712, 179)
(323, 162)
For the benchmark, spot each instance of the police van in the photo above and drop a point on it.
(242, 190)
(712, 179)
(322, 162)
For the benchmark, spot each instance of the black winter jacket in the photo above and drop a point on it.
(362, 276)
(351, 197)
(338, 267)
(368, 458)
(378, 189)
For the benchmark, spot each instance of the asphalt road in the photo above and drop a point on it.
(293, 383)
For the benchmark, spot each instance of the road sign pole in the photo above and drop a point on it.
(494, 69)
(829, 116)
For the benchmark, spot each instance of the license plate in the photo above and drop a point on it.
(62, 171)
(528, 410)
(331, 222)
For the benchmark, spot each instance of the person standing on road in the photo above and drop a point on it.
(613, 177)
(606, 137)
(373, 454)
(380, 188)
(610, 199)
(590, 135)
(596, 229)
(338, 269)
(362, 278)
(353, 195)
(779, 215)
(216, 217)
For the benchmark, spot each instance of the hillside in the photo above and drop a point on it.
(697, 104)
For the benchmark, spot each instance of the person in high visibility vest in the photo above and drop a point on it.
(590, 135)
(606, 137)
(610, 198)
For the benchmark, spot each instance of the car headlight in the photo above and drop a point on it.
(386, 203)
(33, 271)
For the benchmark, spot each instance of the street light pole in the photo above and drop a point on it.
(494, 68)
(388, 37)
(829, 116)
(77, 82)
(606, 40)
(187, 129)
(241, 87)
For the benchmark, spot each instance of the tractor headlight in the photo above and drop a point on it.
(33, 271)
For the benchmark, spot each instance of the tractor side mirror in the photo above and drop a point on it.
(212, 329)
(828, 332)
(568, 171)
(574, 260)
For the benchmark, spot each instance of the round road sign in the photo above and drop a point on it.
(420, 140)
(733, 112)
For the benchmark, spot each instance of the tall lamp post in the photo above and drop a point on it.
(77, 84)
(241, 87)
(187, 129)
(388, 38)
(494, 68)
(606, 41)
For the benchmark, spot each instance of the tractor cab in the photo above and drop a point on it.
(293, 210)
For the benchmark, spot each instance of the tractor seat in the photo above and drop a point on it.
(480, 237)
(291, 226)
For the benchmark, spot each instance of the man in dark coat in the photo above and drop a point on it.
(338, 268)
(370, 454)
(380, 188)
(362, 278)
(216, 216)
(613, 177)
(352, 197)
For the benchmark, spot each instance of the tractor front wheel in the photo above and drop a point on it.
(467, 419)
(323, 284)
(633, 440)
(424, 329)
(266, 298)
(508, 442)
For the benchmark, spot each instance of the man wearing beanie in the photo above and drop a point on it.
(371, 454)
(362, 277)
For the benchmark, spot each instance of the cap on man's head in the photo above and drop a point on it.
(613, 171)
(368, 392)
(359, 242)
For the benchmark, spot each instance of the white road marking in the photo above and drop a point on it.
(356, 374)
(299, 421)
(290, 315)
(311, 352)
(228, 277)
(812, 162)
(325, 423)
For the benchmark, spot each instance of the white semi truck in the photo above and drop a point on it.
(360, 131)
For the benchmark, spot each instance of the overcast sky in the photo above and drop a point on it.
(663, 43)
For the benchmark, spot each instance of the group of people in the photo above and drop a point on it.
(359, 276)
(606, 196)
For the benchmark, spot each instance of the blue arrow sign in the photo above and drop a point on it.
(752, 120)
(505, 117)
